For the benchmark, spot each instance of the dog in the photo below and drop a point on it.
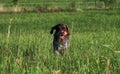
(61, 38)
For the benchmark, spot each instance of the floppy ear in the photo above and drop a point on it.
(53, 28)
(68, 32)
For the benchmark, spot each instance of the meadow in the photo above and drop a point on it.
(26, 44)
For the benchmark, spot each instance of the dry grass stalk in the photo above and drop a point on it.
(56, 71)
(17, 8)
(108, 66)
(2, 8)
(9, 28)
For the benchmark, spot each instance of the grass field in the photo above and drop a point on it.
(26, 44)
(54, 5)
(37, 1)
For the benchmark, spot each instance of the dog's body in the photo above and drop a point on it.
(61, 37)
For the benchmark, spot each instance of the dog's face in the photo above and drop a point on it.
(64, 30)
(60, 28)
(62, 35)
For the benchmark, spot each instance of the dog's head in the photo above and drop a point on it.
(64, 30)
(62, 35)
(60, 28)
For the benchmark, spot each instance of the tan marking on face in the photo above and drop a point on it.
(65, 33)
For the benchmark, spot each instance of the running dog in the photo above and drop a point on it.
(61, 38)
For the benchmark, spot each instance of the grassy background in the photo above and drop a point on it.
(37, 1)
(54, 5)
(26, 44)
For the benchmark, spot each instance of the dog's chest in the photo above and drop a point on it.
(63, 44)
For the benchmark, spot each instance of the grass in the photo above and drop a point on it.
(28, 46)
(53, 6)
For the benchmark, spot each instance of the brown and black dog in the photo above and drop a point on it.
(61, 38)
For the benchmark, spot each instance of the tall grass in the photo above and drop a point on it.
(94, 38)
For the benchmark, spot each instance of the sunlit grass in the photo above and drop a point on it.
(93, 41)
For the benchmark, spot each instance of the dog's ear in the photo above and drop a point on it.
(68, 32)
(54, 28)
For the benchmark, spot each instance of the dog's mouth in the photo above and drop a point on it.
(62, 35)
